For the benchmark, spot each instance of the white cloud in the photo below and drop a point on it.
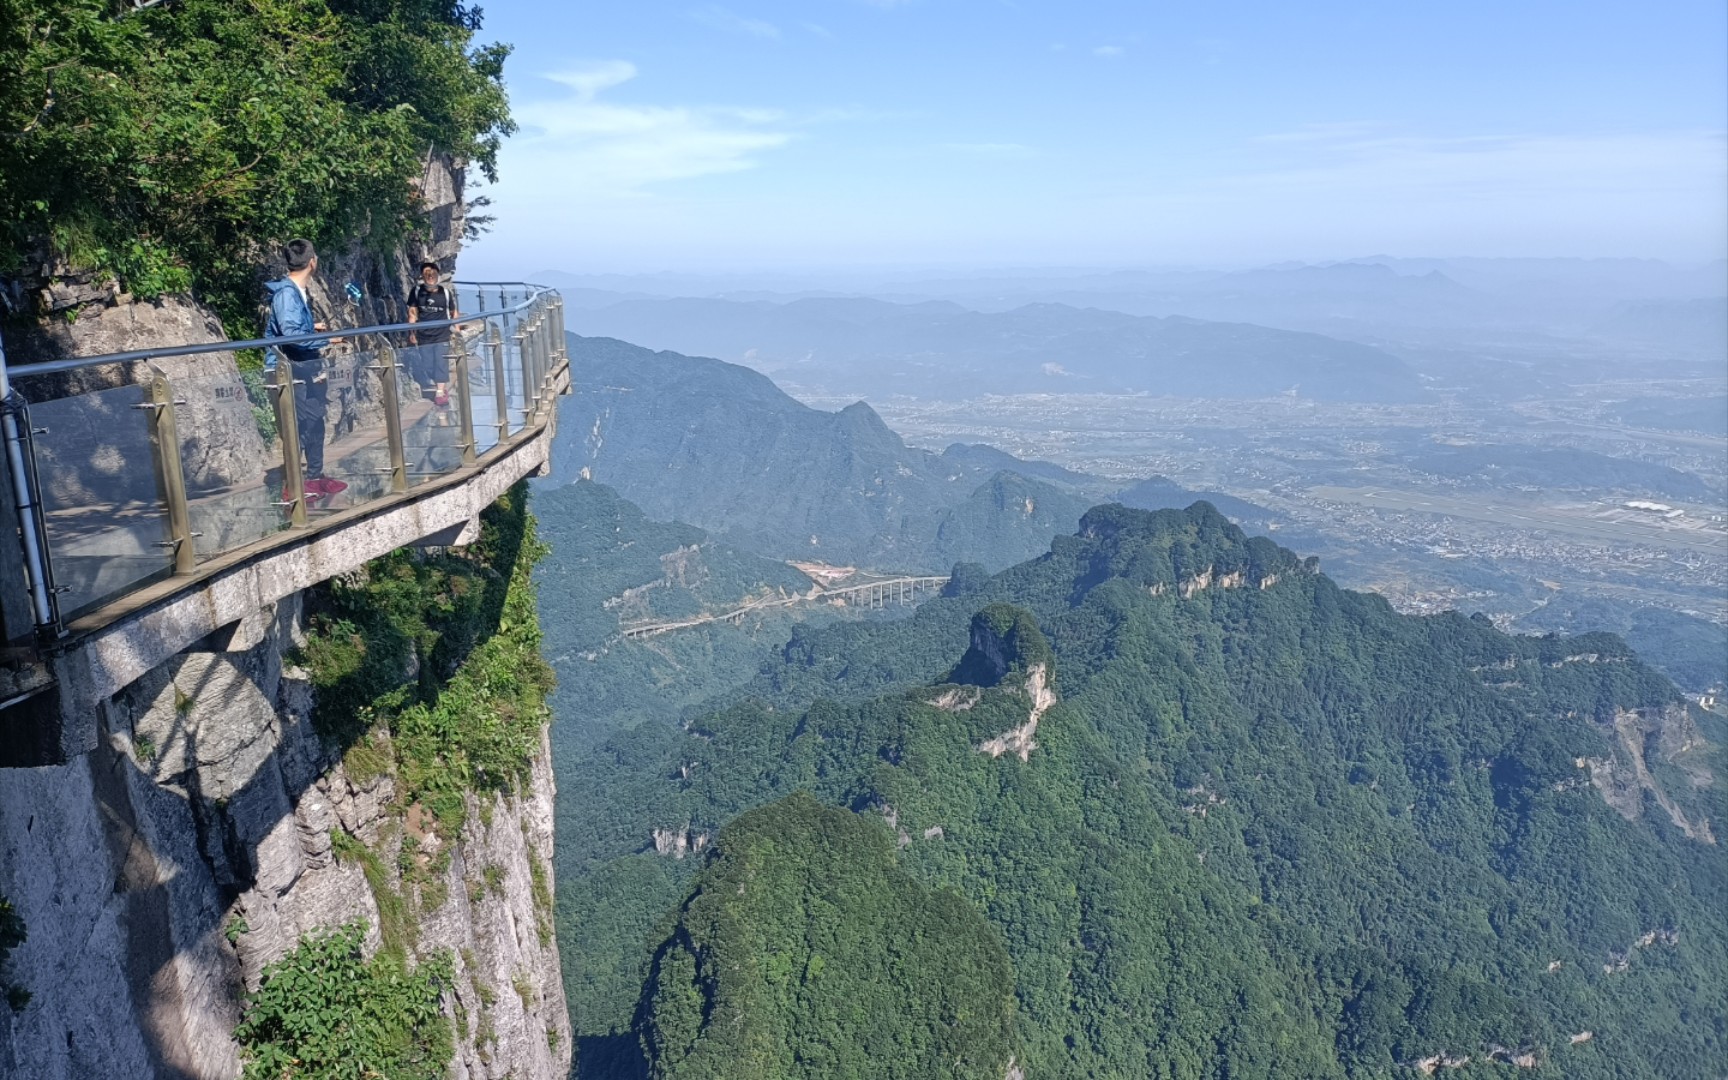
(589, 81)
(1364, 159)
(991, 149)
(1109, 50)
(730, 21)
(581, 144)
(818, 29)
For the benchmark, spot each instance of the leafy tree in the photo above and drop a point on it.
(173, 146)
(803, 951)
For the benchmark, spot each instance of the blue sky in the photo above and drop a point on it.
(860, 134)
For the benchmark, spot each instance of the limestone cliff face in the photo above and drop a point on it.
(160, 874)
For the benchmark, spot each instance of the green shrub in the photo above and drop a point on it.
(443, 651)
(325, 1011)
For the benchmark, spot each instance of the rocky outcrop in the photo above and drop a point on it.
(1019, 740)
(956, 699)
(1644, 739)
(163, 872)
(679, 842)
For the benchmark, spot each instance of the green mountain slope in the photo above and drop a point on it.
(609, 567)
(1264, 826)
(719, 446)
(804, 951)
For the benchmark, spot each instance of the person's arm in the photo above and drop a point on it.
(454, 314)
(413, 315)
(294, 317)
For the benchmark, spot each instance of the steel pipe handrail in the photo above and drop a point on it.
(54, 367)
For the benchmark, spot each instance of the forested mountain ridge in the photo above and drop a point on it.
(1270, 828)
(721, 447)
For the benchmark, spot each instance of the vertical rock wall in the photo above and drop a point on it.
(160, 874)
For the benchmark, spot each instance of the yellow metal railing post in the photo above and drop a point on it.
(170, 475)
(389, 386)
(287, 427)
(500, 392)
(464, 397)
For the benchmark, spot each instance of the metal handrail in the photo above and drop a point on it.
(529, 324)
(52, 367)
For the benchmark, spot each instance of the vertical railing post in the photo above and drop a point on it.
(525, 357)
(559, 353)
(542, 356)
(390, 387)
(170, 476)
(500, 392)
(464, 396)
(288, 428)
(26, 503)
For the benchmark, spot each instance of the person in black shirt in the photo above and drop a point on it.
(431, 301)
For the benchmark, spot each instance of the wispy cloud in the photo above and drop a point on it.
(584, 145)
(818, 29)
(1338, 131)
(1108, 50)
(720, 18)
(1363, 157)
(991, 149)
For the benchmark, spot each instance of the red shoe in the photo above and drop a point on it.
(313, 488)
(327, 486)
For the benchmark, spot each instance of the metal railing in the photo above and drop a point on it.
(146, 470)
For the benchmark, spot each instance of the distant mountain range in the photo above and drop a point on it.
(875, 349)
(720, 447)
(1661, 311)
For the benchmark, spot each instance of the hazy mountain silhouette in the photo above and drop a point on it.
(721, 447)
(870, 348)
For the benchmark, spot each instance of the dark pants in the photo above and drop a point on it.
(430, 363)
(311, 406)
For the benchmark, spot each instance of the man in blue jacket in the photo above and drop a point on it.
(290, 316)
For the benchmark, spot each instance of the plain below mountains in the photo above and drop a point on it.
(874, 349)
